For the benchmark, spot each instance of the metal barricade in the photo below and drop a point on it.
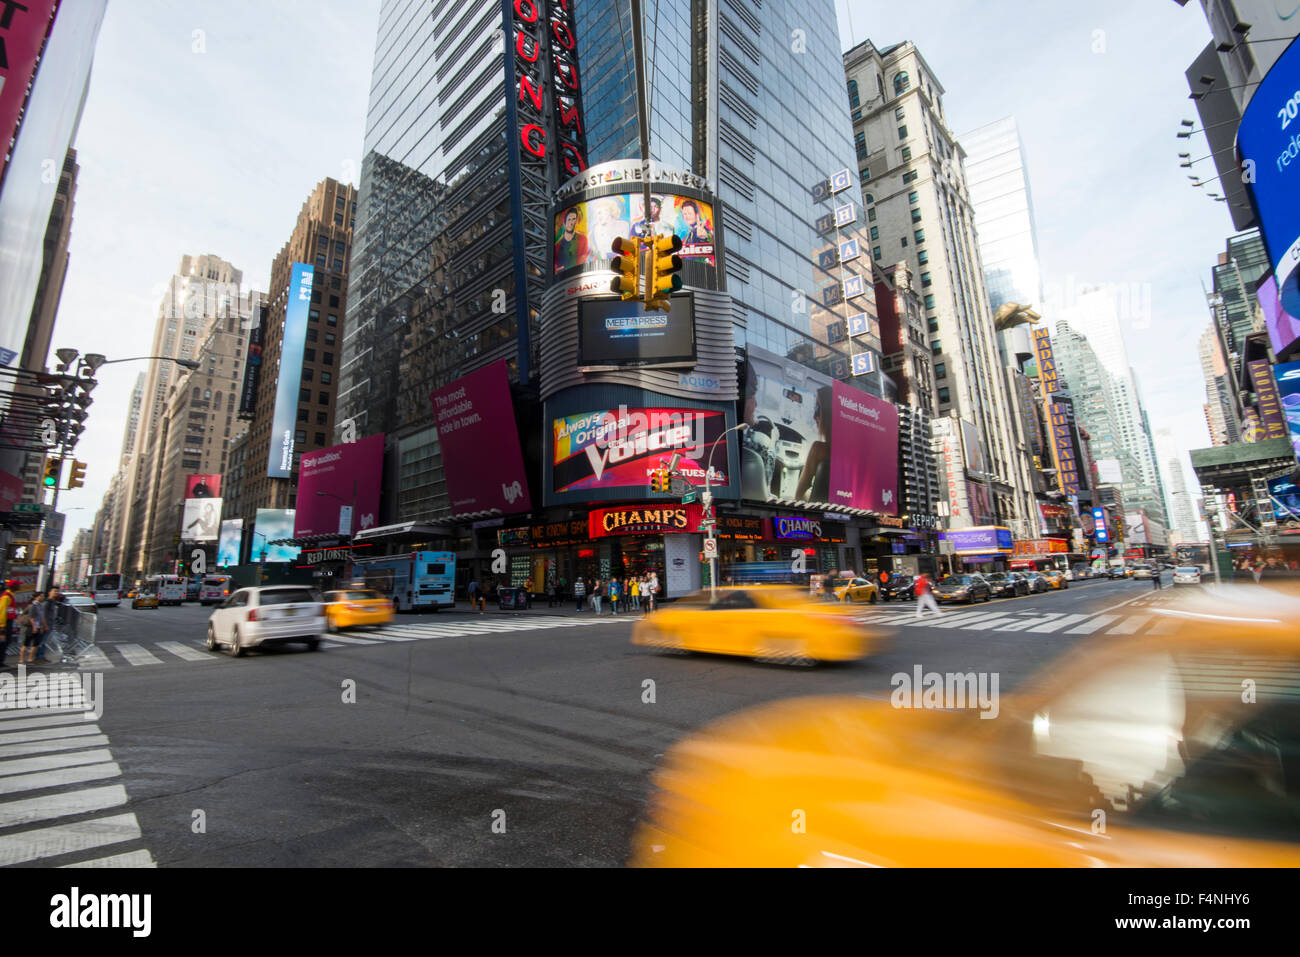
(71, 635)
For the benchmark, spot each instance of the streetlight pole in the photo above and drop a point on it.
(710, 523)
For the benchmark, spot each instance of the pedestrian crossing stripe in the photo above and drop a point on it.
(1036, 623)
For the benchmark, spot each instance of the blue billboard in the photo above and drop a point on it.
(1287, 375)
(231, 541)
(279, 463)
(1268, 145)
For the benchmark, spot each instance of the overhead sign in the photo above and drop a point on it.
(1046, 361)
(644, 520)
(279, 463)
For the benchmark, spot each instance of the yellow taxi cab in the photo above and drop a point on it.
(1056, 579)
(351, 607)
(1171, 750)
(144, 600)
(855, 590)
(765, 622)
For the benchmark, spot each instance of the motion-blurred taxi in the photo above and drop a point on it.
(354, 607)
(766, 622)
(1056, 579)
(144, 600)
(855, 590)
(1174, 750)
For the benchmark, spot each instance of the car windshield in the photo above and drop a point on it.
(285, 596)
(997, 577)
(957, 580)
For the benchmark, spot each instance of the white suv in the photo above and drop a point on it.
(272, 614)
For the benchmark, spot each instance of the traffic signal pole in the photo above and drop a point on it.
(642, 112)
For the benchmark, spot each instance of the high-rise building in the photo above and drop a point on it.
(1182, 507)
(1220, 416)
(1237, 275)
(919, 206)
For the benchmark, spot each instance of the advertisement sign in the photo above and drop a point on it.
(1270, 404)
(619, 448)
(11, 491)
(334, 479)
(22, 33)
(201, 521)
(1067, 469)
(644, 520)
(796, 527)
(230, 542)
(1041, 546)
(1286, 500)
(203, 486)
(982, 539)
(1283, 328)
(279, 463)
(613, 332)
(1288, 387)
(585, 231)
(864, 451)
(481, 457)
(1099, 525)
(1046, 361)
(273, 524)
(1268, 144)
(253, 364)
(945, 430)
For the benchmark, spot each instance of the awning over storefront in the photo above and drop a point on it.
(403, 532)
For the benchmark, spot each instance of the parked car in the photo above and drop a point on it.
(266, 615)
(1056, 579)
(898, 586)
(1187, 575)
(1037, 583)
(964, 588)
(1117, 571)
(1007, 584)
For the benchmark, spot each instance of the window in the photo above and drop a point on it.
(871, 215)
(929, 301)
(913, 197)
(329, 338)
(919, 236)
(868, 199)
(338, 248)
(903, 240)
(320, 436)
(306, 374)
(902, 135)
(324, 398)
(300, 437)
(313, 315)
(860, 141)
(875, 253)
(326, 378)
(336, 283)
(916, 216)
(304, 395)
(875, 231)
(323, 242)
(898, 113)
(320, 260)
(864, 175)
(944, 396)
(328, 358)
(936, 347)
(338, 202)
(315, 297)
(302, 415)
(933, 325)
(311, 335)
(910, 176)
(334, 302)
(941, 370)
(334, 320)
(853, 93)
(322, 418)
(923, 257)
(309, 355)
(901, 83)
(338, 219)
(907, 153)
(925, 279)
(338, 265)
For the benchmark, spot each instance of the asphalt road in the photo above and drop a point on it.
(502, 739)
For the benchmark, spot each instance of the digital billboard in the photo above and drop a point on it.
(340, 477)
(203, 486)
(201, 521)
(253, 365)
(1268, 144)
(585, 230)
(482, 460)
(619, 448)
(811, 439)
(231, 540)
(1283, 328)
(1288, 388)
(614, 332)
(279, 463)
(271, 525)
(984, 539)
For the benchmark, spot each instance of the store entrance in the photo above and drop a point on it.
(632, 556)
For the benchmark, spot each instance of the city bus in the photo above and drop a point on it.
(106, 589)
(415, 581)
(170, 589)
(214, 589)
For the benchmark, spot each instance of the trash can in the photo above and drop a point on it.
(510, 597)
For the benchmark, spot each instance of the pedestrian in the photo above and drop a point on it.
(1156, 583)
(8, 614)
(652, 590)
(580, 592)
(924, 592)
(597, 588)
(475, 596)
(550, 595)
(615, 593)
(636, 593)
(36, 630)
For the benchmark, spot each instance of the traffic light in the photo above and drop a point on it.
(77, 474)
(660, 480)
(665, 266)
(627, 263)
(53, 469)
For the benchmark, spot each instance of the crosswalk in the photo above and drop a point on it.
(123, 654)
(60, 798)
(1135, 619)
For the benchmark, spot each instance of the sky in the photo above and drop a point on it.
(208, 123)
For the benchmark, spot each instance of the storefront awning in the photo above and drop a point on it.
(402, 531)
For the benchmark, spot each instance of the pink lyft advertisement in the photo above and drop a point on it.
(333, 480)
(481, 457)
(864, 451)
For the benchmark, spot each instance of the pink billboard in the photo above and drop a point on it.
(22, 32)
(481, 457)
(341, 477)
(864, 451)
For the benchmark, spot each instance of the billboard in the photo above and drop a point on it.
(1067, 469)
(22, 33)
(1286, 500)
(253, 365)
(614, 332)
(619, 448)
(279, 463)
(1268, 144)
(1102, 534)
(815, 440)
(340, 477)
(481, 457)
(1266, 397)
(1288, 388)
(270, 525)
(585, 231)
(981, 540)
(203, 486)
(1046, 361)
(201, 520)
(230, 541)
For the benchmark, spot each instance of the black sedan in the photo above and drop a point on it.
(964, 588)
(1007, 584)
(898, 586)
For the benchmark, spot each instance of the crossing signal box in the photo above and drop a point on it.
(627, 263)
(53, 469)
(664, 277)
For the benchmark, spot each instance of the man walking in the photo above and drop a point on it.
(596, 588)
(925, 596)
(475, 596)
(1155, 578)
(8, 615)
(580, 591)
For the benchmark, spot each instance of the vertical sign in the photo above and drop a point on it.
(1046, 361)
(1067, 469)
(279, 463)
(253, 365)
(1270, 403)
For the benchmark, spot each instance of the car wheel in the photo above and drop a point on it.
(781, 651)
(872, 599)
(212, 639)
(235, 650)
(313, 644)
(330, 625)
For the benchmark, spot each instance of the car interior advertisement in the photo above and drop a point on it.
(814, 440)
(613, 332)
(480, 443)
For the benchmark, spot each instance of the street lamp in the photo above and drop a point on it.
(709, 522)
(352, 516)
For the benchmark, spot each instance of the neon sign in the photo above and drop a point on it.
(549, 87)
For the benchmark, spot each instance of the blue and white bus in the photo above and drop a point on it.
(416, 581)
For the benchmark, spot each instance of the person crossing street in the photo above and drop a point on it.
(925, 596)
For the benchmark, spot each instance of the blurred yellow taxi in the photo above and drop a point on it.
(356, 606)
(1056, 578)
(144, 600)
(855, 590)
(766, 622)
(1173, 750)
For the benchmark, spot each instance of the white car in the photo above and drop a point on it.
(265, 615)
(1187, 575)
